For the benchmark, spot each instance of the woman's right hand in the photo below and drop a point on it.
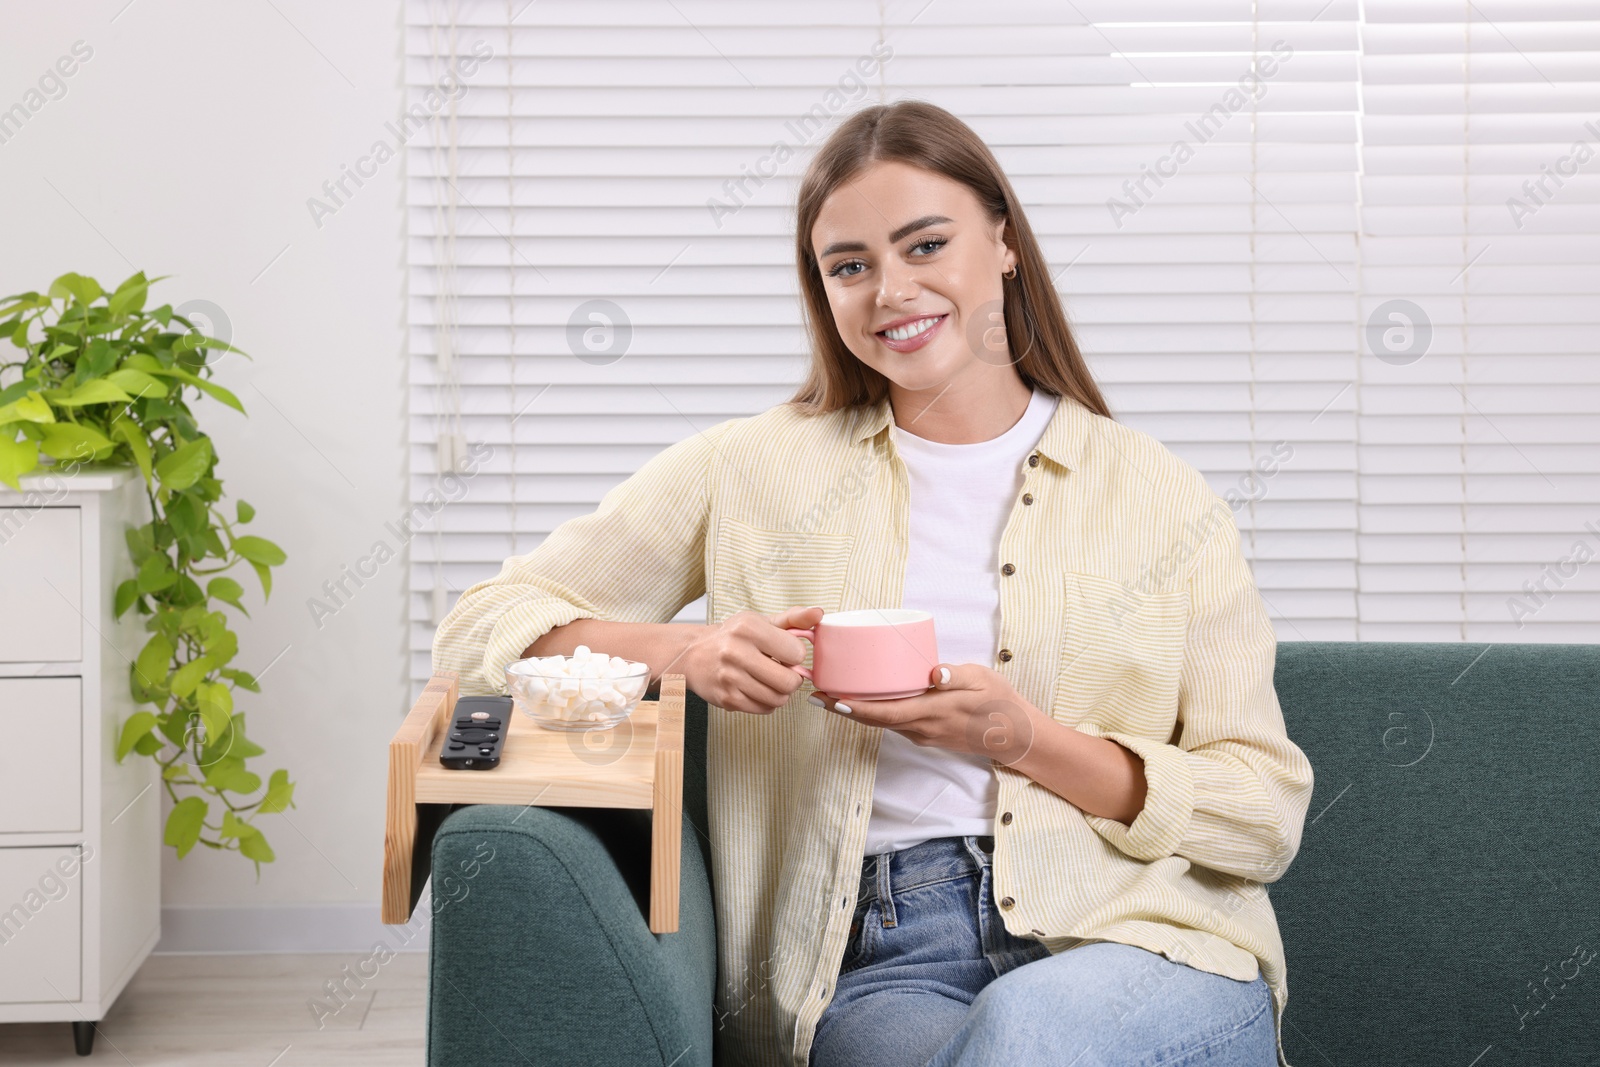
(747, 662)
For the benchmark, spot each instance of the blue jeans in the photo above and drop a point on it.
(932, 978)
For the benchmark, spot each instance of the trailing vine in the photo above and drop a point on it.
(102, 382)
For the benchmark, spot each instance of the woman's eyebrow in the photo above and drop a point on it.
(857, 246)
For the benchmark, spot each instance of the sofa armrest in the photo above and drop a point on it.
(541, 951)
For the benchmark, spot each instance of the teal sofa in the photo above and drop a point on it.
(1444, 907)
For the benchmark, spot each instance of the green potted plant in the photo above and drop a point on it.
(102, 381)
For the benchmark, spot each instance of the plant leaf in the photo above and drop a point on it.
(129, 433)
(183, 824)
(259, 550)
(242, 679)
(129, 295)
(194, 340)
(266, 579)
(139, 725)
(97, 360)
(228, 591)
(155, 573)
(137, 383)
(140, 542)
(280, 793)
(237, 743)
(69, 440)
(228, 773)
(87, 290)
(93, 391)
(212, 389)
(16, 457)
(30, 408)
(254, 846)
(127, 593)
(153, 661)
(190, 675)
(216, 707)
(182, 467)
(244, 511)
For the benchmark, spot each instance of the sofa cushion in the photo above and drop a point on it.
(1443, 907)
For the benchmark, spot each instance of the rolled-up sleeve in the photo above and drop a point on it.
(1231, 793)
(638, 557)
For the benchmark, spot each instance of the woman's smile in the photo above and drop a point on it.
(910, 334)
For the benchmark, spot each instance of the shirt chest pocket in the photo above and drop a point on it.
(767, 571)
(1121, 656)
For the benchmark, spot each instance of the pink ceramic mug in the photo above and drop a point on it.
(871, 653)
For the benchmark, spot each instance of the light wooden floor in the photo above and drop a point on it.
(249, 1011)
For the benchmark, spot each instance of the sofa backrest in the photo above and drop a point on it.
(1444, 907)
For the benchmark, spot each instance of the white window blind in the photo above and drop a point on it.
(1480, 451)
(1274, 200)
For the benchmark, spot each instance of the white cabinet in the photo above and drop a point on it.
(80, 836)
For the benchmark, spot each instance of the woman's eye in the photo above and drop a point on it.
(839, 270)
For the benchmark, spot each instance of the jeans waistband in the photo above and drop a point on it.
(938, 859)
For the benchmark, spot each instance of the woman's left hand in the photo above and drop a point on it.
(970, 709)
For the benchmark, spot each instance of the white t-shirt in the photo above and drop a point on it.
(961, 498)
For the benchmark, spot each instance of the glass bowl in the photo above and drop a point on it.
(574, 692)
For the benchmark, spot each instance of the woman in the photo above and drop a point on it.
(1056, 854)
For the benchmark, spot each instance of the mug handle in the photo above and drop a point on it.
(809, 635)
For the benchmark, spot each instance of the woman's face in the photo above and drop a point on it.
(912, 271)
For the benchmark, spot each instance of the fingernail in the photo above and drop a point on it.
(816, 700)
(944, 675)
(841, 707)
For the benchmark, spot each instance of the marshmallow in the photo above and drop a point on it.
(584, 687)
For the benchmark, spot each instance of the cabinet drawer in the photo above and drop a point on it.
(41, 781)
(40, 585)
(41, 912)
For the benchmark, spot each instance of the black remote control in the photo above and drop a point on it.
(477, 734)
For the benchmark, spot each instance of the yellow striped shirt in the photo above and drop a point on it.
(1131, 615)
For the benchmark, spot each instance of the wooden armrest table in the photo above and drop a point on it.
(537, 766)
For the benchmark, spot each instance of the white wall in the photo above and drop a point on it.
(188, 144)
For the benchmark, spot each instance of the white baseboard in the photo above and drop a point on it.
(309, 928)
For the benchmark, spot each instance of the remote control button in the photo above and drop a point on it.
(480, 715)
(486, 751)
(456, 746)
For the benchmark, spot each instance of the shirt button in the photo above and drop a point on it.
(1005, 820)
(1005, 655)
(1007, 903)
(1027, 498)
(1033, 460)
(1008, 569)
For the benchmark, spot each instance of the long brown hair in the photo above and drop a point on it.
(927, 136)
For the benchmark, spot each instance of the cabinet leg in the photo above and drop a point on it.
(83, 1036)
